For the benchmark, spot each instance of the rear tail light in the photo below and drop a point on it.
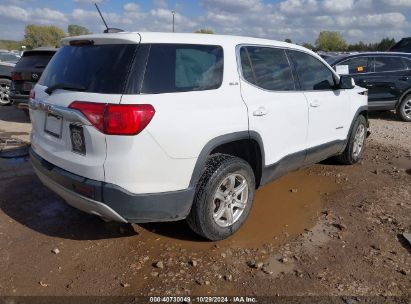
(113, 119)
(16, 76)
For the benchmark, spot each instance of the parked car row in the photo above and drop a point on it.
(7, 62)
(18, 74)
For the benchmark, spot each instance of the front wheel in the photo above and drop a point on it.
(403, 110)
(223, 198)
(356, 143)
(5, 92)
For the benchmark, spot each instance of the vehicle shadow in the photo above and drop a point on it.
(28, 202)
(173, 230)
(10, 113)
(384, 115)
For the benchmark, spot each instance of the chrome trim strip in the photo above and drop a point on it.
(67, 113)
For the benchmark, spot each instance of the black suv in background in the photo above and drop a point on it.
(404, 46)
(387, 76)
(26, 73)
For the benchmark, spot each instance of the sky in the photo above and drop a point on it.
(299, 20)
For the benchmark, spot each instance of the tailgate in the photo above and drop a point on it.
(96, 73)
(52, 132)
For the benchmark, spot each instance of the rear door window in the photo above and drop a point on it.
(388, 64)
(313, 75)
(358, 65)
(267, 68)
(97, 68)
(183, 67)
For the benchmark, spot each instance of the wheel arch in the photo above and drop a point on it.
(405, 94)
(363, 110)
(247, 145)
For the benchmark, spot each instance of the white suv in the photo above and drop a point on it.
(143, 127)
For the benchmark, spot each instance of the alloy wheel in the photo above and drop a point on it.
(230, 200)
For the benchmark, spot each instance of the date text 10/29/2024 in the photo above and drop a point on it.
(199, 299)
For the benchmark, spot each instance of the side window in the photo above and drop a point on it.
(388, 64)
(357, 65)
(311, 72)
(270, 68)
(183, 67)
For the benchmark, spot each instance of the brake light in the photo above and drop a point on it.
(16, 76)
(113, 119)
(32, 94)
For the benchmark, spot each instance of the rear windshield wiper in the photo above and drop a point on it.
(64, 86)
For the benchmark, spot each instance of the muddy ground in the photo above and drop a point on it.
(324, 230)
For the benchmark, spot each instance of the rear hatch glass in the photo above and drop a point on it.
(28, 70)
(96, 68)
(34, 61)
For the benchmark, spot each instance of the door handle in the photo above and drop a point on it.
(315, 104)
(261, 111)
(403, 78)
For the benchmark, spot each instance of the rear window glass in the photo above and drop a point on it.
(34, 61)
(388, 64)
(183, 67)
(97, 68)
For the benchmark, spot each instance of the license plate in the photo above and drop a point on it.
(54, 125)
(78, 143)
(27, 86)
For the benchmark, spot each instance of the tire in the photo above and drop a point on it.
(5, 92)
(403, 111)
(356, 143)
(27, 112)
(209, 216)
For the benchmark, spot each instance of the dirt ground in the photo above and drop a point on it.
(324, 230)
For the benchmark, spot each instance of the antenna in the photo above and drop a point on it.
(101, 15)
(108, 29)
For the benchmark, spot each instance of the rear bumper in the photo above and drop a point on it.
(20, 100)
(110, 201)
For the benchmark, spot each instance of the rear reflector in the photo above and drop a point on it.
(113, 119)
(16, 76)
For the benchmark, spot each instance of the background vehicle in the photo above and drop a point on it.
(186, 126)
(387, 76)
(404, 46)
(7, 62)
(26, 73)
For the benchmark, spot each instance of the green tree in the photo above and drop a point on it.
(330, 41)
(308, 46)
(77, 30)
(385, 44)
(204, 31)
(288, 40)
(39, 35)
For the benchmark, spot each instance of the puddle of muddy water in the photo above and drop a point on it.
(277, 213)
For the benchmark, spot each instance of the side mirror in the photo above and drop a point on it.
(346, 82)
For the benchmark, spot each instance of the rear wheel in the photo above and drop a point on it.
(356, 143)
(224, 197)
(5, 91)
(403, 110)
